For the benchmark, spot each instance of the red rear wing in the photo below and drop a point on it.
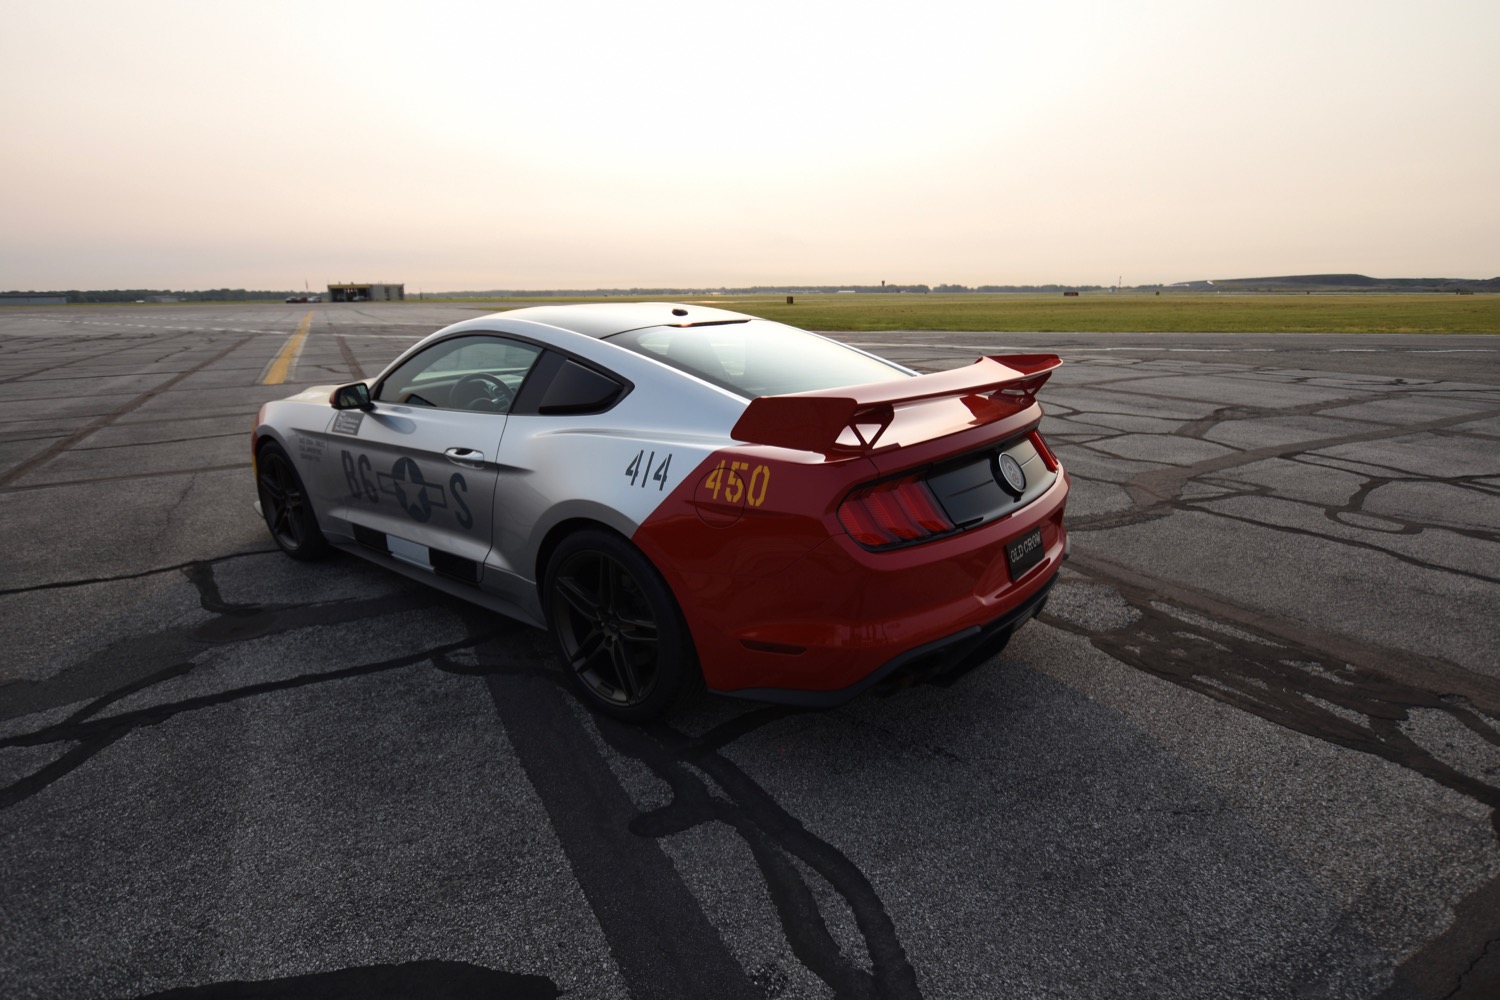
(815, 421)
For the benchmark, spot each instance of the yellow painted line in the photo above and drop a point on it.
(282, 366)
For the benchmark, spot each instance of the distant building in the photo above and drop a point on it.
(366, 293)
(29, 299)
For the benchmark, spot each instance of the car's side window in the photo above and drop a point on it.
(560, 385)
(479, 372)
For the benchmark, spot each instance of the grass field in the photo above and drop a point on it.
(1125, 312)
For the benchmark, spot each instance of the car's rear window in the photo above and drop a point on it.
(758, 357)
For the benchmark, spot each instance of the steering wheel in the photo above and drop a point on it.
(482, 392)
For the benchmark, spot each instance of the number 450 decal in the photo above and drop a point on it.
(729, 480)
(645, 474)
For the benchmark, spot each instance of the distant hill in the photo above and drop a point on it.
(1341, 283)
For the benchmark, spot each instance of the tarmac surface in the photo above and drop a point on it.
(1251, 748)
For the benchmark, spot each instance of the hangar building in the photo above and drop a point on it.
(366, 293)
(31, 299)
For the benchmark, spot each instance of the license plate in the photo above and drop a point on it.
(1025, 552)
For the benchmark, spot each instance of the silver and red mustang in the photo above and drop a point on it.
(687, 497)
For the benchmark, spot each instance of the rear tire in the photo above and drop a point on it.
(285, 505)
(621, 635)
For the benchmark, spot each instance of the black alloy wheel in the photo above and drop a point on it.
(284, 505)
(622, 638)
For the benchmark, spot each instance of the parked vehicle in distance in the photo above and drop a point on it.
(687, 497)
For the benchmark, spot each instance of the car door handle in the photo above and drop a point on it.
(467, 457)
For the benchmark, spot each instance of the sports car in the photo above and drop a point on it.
(687, 497)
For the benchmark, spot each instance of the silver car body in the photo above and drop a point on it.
(491, 488)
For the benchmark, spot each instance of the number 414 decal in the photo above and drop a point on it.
(636, 471)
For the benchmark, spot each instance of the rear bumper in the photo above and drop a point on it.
(950, 656)
(841, 620)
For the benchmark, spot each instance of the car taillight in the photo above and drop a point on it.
(1048, 459)
(895, 512)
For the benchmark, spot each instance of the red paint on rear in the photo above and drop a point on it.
(757, 579)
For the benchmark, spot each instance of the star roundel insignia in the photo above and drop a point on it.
(1010, 475)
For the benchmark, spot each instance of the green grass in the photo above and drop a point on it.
(1125, 313)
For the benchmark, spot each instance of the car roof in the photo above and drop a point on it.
(605, 319)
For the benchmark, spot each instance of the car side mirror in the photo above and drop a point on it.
(351, 397)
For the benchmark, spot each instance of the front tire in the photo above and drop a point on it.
(623, 641)
(285, 505)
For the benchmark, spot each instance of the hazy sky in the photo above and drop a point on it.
(447, 145)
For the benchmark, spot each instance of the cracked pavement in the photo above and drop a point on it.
(1250, 748)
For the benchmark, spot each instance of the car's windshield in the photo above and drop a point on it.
(758, 358)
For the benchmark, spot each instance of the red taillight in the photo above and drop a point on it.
(895, 512)
(1049, 459)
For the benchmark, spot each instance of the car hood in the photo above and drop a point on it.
(313, 394)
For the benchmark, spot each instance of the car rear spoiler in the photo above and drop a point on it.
(815, 421)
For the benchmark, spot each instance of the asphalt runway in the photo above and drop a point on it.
(1251, 749)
